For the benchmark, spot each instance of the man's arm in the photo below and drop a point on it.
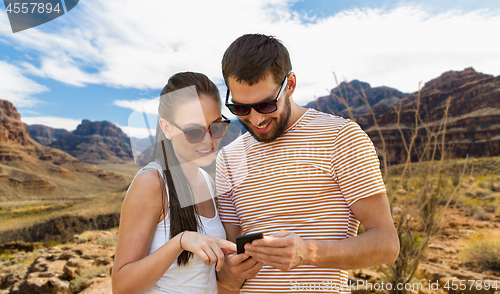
(237, 267)
(379, 243)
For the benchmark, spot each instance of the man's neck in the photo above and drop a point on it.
(297, 112)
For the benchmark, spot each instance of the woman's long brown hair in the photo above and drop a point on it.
(187, 217)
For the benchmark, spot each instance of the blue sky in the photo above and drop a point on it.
(104, 57)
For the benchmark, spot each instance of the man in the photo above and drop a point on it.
(302, 177)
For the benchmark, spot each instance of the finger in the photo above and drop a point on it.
(247, 269)
(227, 251)
(212, 257)
(220, 258)
(235, 259)
(269, 258)
(202, 255)
(280, 266)
(253, 271)
(282, 252)
(228, 245)
(250, 265)
(280, 234)
(269, 242)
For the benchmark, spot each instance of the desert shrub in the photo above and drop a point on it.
(53, 243)
(106, 241)
(482, 193)
(469, 194)
(491, 207)
(470, 205)
(82, 281)
(495, 185)
(481, 215)
(485, 254)
(86, 236)
(411, 241)
(6, 256)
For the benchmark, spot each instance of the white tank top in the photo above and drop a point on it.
(194, 277)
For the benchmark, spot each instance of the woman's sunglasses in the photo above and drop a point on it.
(263, 107)
(196, 134)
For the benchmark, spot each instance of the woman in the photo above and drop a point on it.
(171, 239)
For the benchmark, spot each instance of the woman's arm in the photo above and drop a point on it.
(135, 271)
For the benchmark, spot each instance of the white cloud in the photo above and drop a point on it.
(137, 132)
(52, 121)
(144, 105)
(4, 22)
(17, 88)
(143, 109)
(140, 46)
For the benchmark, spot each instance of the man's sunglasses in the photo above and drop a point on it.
(196, 134)
(263, 107)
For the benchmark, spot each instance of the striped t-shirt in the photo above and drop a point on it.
(303, 182)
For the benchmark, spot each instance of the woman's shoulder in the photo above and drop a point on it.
(150, 177)
(146, 185)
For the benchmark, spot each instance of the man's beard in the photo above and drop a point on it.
(279, 129)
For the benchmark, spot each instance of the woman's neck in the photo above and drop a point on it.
(191, 171)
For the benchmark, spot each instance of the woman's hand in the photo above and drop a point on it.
(209, 248)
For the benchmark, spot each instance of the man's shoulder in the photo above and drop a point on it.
(321, 122)
(317, 115)
(237, 145)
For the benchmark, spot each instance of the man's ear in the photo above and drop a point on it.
(165, 127)
(292, 83)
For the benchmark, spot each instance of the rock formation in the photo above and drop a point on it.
(12, 129)
(96, 142)
(45, 135)
(29, 168)
(380, 98)
(472, 125)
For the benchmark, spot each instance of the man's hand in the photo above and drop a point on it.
(242, 266)
(284, 250)
(239, 266)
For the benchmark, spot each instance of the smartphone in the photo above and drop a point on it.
(244, 239)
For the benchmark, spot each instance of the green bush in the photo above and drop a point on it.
(6, 256)
(53, 243)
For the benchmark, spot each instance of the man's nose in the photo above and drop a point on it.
(256, 118)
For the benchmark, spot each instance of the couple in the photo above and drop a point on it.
(305, 179)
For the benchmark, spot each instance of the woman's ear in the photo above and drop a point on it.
(165, 127)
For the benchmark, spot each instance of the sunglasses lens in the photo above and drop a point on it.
(266, 107)
(240, 109)
(195, 135)
(217, 130)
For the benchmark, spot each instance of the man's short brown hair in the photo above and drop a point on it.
(251, 56)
